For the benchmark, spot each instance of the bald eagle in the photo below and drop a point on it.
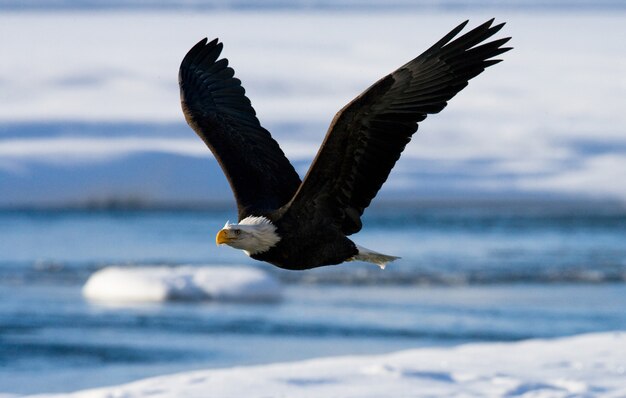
(296, 224)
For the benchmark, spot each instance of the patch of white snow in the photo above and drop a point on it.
(188, 283)
(535, 368)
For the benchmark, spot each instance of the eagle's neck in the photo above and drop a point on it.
(262, 234)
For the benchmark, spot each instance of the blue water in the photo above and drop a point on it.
(469, 272)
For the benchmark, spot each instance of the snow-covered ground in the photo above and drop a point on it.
(591, 365)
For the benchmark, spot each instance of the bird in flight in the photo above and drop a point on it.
(296, 224)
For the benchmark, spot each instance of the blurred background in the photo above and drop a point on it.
(508, 208)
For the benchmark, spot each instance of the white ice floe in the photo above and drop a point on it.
(161, 283)
(592, 365)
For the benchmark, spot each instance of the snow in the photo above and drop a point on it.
(592, 365)
(190, 283)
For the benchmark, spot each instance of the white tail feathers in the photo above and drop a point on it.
(371, 256)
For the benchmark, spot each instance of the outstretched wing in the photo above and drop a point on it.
(216, 107)
(367, 136)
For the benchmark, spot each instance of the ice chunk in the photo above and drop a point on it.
(189, 283)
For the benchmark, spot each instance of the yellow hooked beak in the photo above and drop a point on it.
(222, 237)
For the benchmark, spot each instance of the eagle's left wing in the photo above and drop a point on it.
(368, 135)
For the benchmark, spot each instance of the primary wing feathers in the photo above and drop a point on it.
(368, 135)
(215, 106)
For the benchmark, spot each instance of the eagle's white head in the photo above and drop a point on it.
(252, 235)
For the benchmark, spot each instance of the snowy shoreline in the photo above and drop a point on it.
(591, 365)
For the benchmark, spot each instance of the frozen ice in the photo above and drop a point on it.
(185, 283)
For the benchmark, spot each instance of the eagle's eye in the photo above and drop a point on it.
(237, 232)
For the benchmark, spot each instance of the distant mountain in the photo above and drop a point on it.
(46, 172)
(144, 177)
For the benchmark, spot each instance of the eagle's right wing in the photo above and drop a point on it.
(216, 107)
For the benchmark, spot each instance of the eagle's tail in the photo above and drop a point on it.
(371, 256)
